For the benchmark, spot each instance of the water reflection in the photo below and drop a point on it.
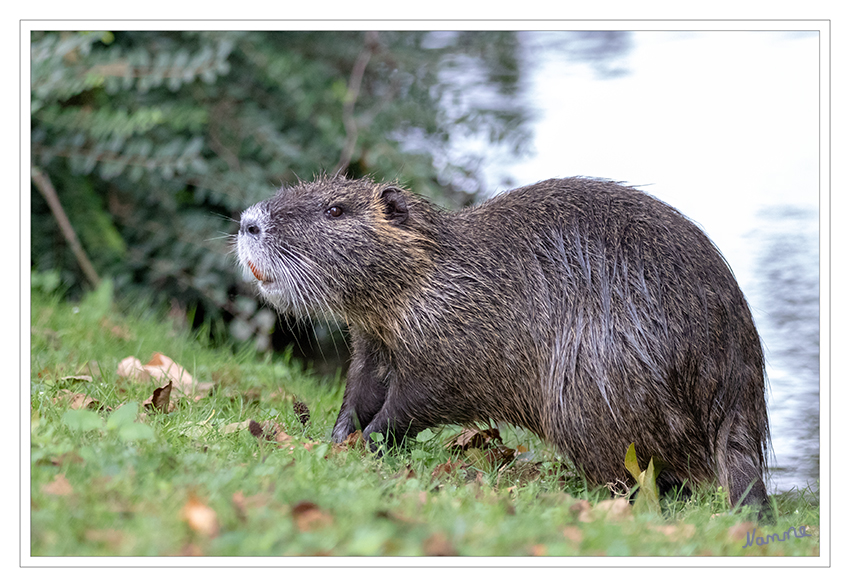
(786, 306)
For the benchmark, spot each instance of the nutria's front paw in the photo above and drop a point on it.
(343, 427)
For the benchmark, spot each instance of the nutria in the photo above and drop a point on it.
(583, 310)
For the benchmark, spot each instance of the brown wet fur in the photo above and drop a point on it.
(583, 310)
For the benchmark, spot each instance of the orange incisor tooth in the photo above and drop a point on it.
(256, 271)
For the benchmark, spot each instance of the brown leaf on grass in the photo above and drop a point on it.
(454, 467)
(537, 550)
(80, 401)
(499, 455)
(271, 431)
(814, 531)
(581, 509)
(474, 438)
(132, 368)
(238, 501)
(59, 486)
(76, 401)
(740, 530)
(613, 510)
(162, 369)
(573, 534)
(309, 517)
(484, 447)
(160, 400)
(447, 468)
(438, 545)
(355, 439)
(405, 474)
(191, 549)
(200, 517)
(676, 532)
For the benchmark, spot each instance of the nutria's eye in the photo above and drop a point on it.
(333, 212)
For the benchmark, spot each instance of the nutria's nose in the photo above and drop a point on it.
(250, 225)
(250, 228)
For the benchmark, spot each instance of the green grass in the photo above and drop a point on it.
(119, 480)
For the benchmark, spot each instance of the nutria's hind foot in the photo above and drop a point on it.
(747, 490)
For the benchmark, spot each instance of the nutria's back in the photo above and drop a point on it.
(584, 310)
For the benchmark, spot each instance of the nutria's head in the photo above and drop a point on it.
(339, 247)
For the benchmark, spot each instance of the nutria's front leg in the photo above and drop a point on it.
(364, 394)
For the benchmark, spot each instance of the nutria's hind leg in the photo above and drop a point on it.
(741, 472)
(670, 484)
(746, 487)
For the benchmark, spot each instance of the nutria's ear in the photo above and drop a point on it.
(395, 205)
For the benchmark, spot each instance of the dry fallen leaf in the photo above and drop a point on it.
(740, 530)
(537, 550)
(309, 517)
(405, 474)
(191, 549)
(438, 545)
(77, 401)
(482, 447)
(474, 438)
(581, 509)
(238, 501)
(59, 486)
(162, 369)
(573, 534)
(200, 517)
(161, 399)
(355, 439)
(132, 368)
(613, 509)
(676, 532)
(446, 468)
(268, 430)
